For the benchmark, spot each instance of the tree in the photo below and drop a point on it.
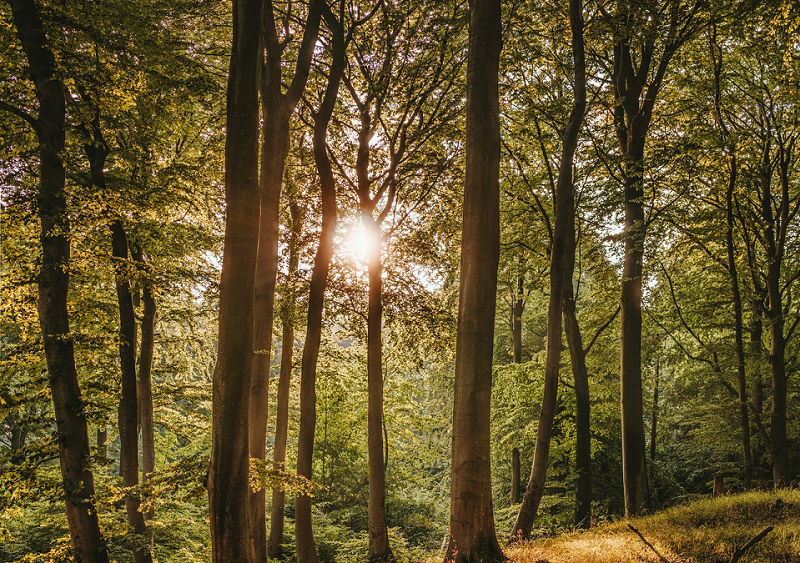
(472, 528)
(277, 107)
(562, 248)
(635, 94)
(73, 439)
(228, 479)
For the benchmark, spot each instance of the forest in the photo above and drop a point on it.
(327, 281)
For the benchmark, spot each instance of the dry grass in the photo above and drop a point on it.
(705, 531)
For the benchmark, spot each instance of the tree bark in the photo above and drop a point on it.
(716, 58)
(304, 535)
(379, 549)
(128, 405)
(53, 286)
(277, 108)
(282, 414)
(472, 531)
(515, 476)
(228, 483)
(744, 411)
(654, 419)
(128, 414)
(564, 223)
(102, 441)
(517, 309)
(580, 374)
(144, 381)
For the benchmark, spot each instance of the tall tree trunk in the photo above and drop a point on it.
(654, 418)
(128, 405)
(128, 415)
(634, 471)
(277, 108)
(102, 441)
(379, 549)
(472, 531)
(304, 534)
(580, 374)
(282, 414)
(145, 383)
(564, 223)
(53, 286)
(744, 411)
(717, 62)
(517, 309)
(274, 149)
(515, 476)
(757, 388)
(228, 482)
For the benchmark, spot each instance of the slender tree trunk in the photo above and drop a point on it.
(379, 549)
(274, 149)
(778, 442)
(53, 286)
(634, 471)
(472, 531)
(145, 383)
(277, 109)
(228, 483)
(128, 415)
(757, 388)
(102, 441)
(515, 476)
(129, 405)
(516, 327)
(654, 418)
(564, 223)
(282, 415)
(744, 413)
(580, 374)
(304, 535)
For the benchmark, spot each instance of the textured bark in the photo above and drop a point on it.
(716, 57)
(632, 116)
(472, 531)
(53, 286)
(128, 405)
(304, 535)
(563, 224)
(580, 374)
(517, 309)
(282, 413)
(654, 418)
(128, 414)
(379, 549)
(515, 478)
(102, 441)
(744, 410)
(144, 375)
(228, 482)
(277, 108)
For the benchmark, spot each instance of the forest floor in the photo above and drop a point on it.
(704, 531)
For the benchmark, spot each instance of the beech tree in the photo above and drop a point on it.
(228, 478)
(53, 285)
(472, 528)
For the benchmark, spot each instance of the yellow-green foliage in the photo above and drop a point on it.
(705, 531)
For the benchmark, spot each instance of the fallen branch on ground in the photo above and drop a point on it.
(738, 553)
(648, 544)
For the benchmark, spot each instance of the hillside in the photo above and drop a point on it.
(705, 531)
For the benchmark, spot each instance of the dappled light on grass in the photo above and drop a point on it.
(704, 531)
(602, 547)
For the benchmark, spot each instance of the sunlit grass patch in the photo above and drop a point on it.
(705, 531)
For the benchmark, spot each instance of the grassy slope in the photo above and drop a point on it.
(705, 531)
